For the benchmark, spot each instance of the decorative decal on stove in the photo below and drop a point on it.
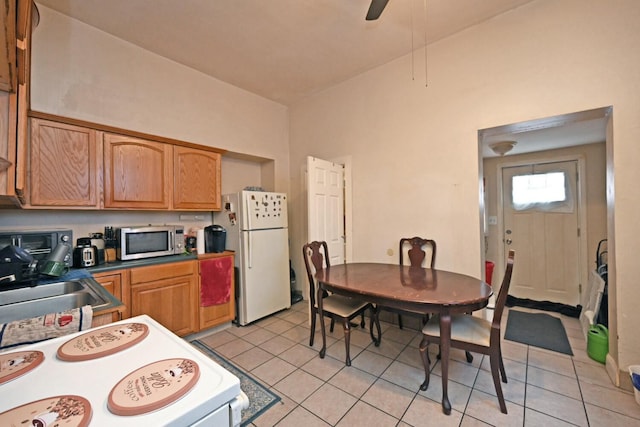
(17, 363)
(153, 386)
(67, 411)
(102, 342)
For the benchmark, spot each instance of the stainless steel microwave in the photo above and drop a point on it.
(149, 241)
(39, 243)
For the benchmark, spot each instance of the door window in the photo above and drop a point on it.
(548, 192)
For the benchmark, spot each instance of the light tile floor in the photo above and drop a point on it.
(381, 388)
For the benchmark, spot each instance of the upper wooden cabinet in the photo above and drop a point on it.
(17, 20)
(65, 165)
(8, 69)
(81, 165)
(137, 173)
(196, 179)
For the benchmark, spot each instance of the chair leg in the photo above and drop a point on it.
(313, 328)
(347, 339)
(333, 322)
(424, 354)
(400, 321)
(362, 322)
(503, 373)
(494, 359)
(375, 319)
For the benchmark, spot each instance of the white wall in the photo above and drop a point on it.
(415, 148)
(84, 73)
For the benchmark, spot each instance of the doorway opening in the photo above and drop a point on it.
(582, 137)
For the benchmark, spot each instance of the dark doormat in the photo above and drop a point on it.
(260, 397)
(539, 330)
(567, 310)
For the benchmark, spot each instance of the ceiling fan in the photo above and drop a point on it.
(375, 9)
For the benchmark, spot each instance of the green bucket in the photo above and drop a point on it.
(598, 343)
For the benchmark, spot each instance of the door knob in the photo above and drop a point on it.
(508, 241)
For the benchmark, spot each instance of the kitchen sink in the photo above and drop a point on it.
(23, 303)
(36, 292)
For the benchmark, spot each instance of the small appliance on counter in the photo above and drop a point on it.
(191, 243)
(97, 240)
(149, 241)
(215, 238)
(85, 253)
(38, 243)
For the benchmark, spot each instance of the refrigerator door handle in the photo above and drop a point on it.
(249, 251)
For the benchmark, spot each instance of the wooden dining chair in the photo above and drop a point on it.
(335, 307)
(417, 256)
(471, 333)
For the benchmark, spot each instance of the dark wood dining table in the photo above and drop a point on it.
(416, 289)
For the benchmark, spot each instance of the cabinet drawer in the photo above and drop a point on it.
(162, 271)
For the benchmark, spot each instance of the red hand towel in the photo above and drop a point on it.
(215, 280)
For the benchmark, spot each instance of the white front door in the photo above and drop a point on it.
(540, 221)
(325, 204)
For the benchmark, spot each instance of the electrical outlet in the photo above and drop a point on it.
(187, 217)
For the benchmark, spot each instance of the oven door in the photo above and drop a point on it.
(219, 417)
(39, 245)
(227, 415)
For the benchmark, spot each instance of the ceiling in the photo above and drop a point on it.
(284, 50)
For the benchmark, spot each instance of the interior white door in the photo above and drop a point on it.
(325, 205)
(545, 236)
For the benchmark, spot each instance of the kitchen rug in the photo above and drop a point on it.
(537, 329)
(260, 398)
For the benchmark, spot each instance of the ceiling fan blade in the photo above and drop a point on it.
(375, 9)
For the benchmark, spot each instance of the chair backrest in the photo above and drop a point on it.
(416, 252)
(316, 254)
(504, 291)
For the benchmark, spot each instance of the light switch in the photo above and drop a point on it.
(493, 220)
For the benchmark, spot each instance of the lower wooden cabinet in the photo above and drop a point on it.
(185, 296)
(168, 293)
(116, 282)
(216, 289)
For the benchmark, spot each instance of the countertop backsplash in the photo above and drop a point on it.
(83, 223)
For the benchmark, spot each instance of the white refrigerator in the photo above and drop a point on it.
(257, 230)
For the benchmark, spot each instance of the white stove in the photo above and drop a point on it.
(216, 398)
